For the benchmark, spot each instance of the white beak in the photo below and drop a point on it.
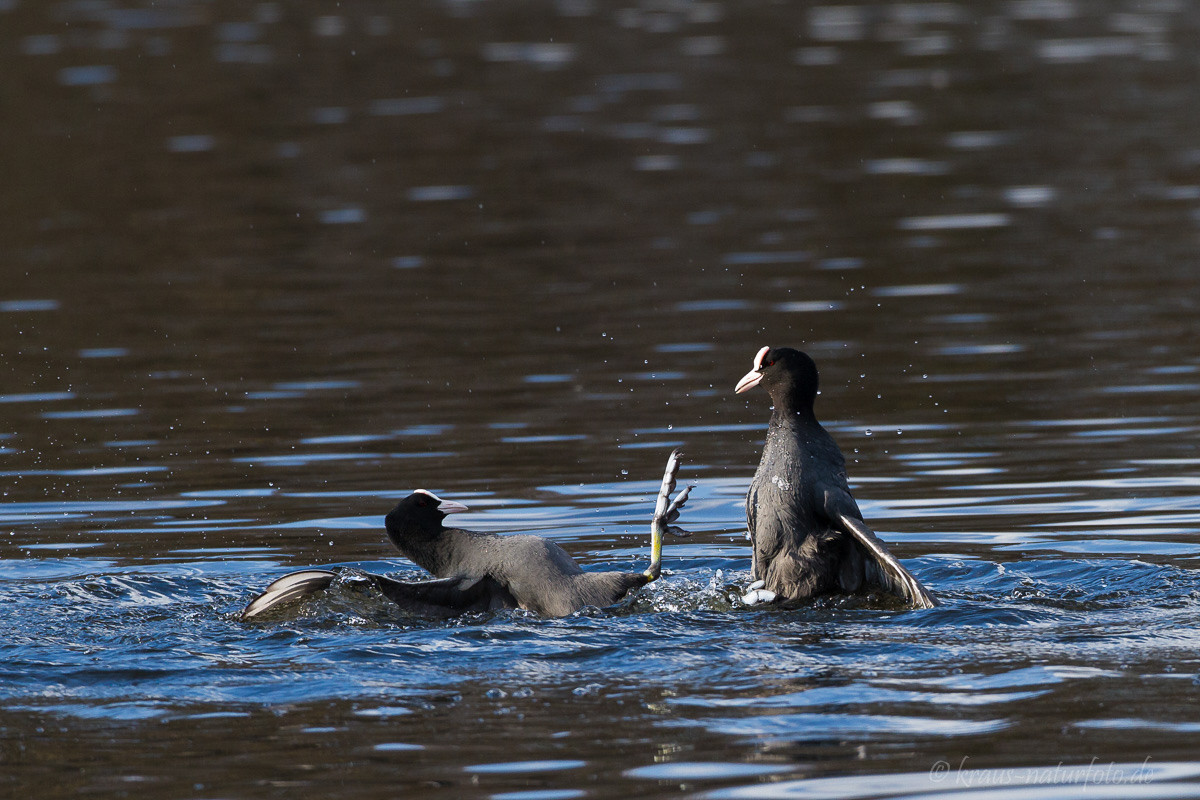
(748, 381)
(444, 506)
(752, 378)
(451, 507)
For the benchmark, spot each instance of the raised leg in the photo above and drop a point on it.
(666, 511)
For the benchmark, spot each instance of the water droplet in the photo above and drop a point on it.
(624, 472)
(869, 431)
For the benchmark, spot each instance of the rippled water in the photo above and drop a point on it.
(269, 267)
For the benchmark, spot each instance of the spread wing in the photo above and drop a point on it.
(882, 568)
(293, 586)
(446, 597)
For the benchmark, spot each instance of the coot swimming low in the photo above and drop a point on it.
(485, 571)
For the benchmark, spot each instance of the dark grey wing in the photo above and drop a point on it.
(751, 525)
(776, 528)
(889, 573)
(290, 587)
(446, 597)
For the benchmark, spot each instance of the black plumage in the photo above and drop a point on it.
(807, 534)
(484, 571)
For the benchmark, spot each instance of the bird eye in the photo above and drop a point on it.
(768, 363)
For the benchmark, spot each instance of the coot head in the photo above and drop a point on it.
(419, 516)
(785, 373)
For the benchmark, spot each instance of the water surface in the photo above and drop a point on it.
(267, 268)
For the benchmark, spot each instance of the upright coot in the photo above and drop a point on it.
(484, 571)
(806, 531)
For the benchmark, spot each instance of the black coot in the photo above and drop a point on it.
(806, 531)
(484, 571)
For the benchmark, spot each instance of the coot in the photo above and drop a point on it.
(484, 571)
(807, 534)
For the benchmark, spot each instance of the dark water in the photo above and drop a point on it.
(268, 267)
